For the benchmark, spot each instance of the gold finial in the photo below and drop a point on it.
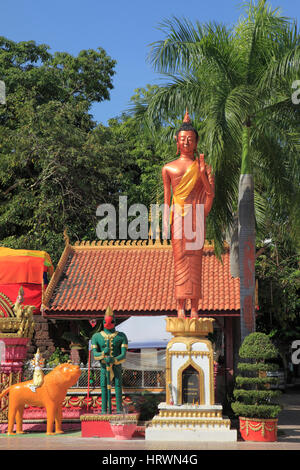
(18, 307)
(150, 233)
(187, 116)
(66, 237)
(109, 312)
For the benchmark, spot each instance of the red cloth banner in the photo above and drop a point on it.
(30, 269)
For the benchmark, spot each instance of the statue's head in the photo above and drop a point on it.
(186, 137)
(109, 319)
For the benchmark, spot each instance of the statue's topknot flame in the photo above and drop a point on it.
(187, 116)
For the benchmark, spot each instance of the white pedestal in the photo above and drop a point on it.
(190, 423)
(189, 380)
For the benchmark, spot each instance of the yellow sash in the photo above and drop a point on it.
(184, 188)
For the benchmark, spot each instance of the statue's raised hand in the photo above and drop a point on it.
(206, 175)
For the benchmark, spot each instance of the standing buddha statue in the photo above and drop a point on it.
(192, 183)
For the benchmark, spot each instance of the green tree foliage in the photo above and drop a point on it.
(56, 165)
(51, 176)
(277, 269)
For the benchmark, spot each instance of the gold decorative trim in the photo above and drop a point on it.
(7, 306)
(99, 358)
(94, 417)
(87, 244)
(189, 341)
(190, 353)
(66, 237)
(56, 275)
(20, 322)
(190, 422)
(189, 414)
(190, 326)
(100, 244)
(145, 243)
(256, 425)
(109, 417)
(108, 336)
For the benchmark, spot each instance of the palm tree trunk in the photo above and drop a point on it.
(246, 240)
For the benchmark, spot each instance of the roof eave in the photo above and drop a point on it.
(90, 314)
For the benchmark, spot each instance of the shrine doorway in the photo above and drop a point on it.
(191, 378)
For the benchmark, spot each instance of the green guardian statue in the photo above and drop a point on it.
(110, 347)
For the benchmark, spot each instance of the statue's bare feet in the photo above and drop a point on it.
(181, 308)
(194, 308)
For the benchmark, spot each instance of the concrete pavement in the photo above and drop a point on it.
(288, 437)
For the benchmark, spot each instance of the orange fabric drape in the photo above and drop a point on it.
(28, 266)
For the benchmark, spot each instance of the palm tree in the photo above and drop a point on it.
(238, 85)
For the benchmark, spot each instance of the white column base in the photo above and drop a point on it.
(190, 423)
(190, 435)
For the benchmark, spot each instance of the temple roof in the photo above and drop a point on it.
(134, 278)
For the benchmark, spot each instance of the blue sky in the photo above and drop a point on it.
(123, 28)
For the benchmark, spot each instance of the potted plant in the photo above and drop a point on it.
(255, 402)
(124, 425)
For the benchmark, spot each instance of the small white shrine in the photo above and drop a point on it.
(190, 412)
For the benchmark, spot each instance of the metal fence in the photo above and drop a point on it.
(131, 378)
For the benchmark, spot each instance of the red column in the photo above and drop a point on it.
(15, 355)
(11, 366)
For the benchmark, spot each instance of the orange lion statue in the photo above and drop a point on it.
(50, 395)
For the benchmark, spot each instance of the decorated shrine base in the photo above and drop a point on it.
(190, 423)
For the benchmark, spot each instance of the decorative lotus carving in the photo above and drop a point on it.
(189, 326)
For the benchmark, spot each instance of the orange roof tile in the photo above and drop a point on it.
(134, 279)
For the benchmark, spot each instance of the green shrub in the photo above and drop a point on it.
(147, 405)
(252, 394)
(56, 358)
(258, 346)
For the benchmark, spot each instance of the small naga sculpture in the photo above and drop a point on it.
(18, 307)
(16, 320)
